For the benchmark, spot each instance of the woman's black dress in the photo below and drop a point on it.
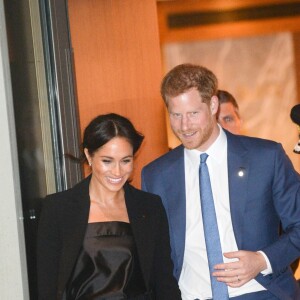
(107, 266)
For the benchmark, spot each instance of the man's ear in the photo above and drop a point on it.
(214, 104)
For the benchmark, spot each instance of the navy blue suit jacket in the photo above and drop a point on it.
(268, 194)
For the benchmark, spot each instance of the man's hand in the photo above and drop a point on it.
(247, 266)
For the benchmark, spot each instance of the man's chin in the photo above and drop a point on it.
(189, 146)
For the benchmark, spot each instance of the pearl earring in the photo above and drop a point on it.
(90, 163)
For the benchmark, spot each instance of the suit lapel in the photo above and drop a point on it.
(142, 232)
(238, 172)
(175, 205)
(75, 221)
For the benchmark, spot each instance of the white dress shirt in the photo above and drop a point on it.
(194, 281)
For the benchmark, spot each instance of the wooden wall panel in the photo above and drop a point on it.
(118, 67)
(222, 30)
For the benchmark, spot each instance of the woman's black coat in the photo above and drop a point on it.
(62, 226)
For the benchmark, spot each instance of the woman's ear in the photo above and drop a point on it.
(87, 155)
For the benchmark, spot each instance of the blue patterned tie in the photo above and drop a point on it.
(211, 232)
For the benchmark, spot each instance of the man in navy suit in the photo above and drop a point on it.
(254, 187)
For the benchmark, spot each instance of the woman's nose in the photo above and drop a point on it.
(117, 169)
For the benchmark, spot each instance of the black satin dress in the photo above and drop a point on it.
(107, 266)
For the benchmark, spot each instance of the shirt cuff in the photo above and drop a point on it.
(268, 270)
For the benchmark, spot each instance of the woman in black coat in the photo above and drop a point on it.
(105, 239)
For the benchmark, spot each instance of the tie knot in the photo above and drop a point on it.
(203, 157)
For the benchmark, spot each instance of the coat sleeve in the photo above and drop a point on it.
(166, 286)
(286, 199)
(48, 250)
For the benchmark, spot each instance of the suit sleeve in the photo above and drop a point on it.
(48, 250)
(286, 198)
(166, 286)
(144, 187)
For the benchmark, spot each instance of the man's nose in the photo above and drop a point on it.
(185, 122)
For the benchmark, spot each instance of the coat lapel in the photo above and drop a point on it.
(238, 172)
(142, 232)
(75, 221)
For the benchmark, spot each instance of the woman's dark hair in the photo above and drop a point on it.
(106, 127)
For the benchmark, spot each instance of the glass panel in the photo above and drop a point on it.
(32, 118)
(43, 88)
(32, 159)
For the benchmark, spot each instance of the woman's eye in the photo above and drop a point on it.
(106, 161)
(126, 161)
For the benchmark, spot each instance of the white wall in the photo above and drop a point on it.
(13, 274)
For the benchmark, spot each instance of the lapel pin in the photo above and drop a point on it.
(241, 172)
